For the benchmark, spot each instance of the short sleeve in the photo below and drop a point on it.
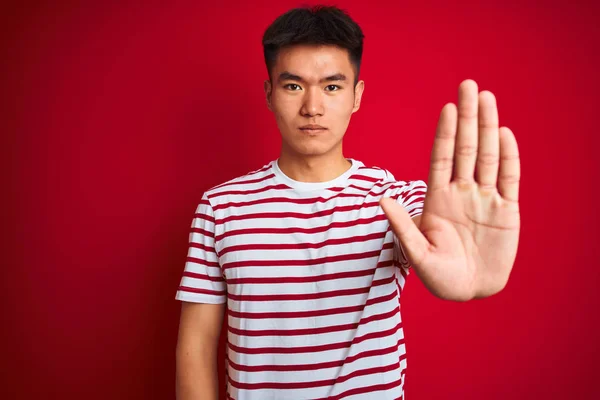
(202, 280)
(412, 197)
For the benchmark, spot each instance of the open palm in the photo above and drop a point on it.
(466, 240)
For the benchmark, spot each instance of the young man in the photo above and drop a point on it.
(309, 254)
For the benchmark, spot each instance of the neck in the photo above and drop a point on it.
(312, 169)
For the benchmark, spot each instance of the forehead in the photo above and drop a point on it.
(313, 61)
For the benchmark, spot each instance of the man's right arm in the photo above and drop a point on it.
(196, 354)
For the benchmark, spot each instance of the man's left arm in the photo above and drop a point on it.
(417, 220)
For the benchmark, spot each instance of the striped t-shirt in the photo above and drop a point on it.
(312, 276)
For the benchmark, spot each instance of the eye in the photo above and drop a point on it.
(333, 88)
(292, 86)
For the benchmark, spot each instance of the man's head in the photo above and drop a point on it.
(313, 59)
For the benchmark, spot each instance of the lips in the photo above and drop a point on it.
(312, 128)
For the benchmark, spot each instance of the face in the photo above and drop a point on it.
(313, 86)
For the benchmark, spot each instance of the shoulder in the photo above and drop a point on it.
(371, 173)
(383, 177)
(255, 177)
(404, 191)
(218, 198)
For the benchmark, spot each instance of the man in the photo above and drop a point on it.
(309, 254)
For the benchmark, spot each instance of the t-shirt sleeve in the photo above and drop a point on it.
(202, 280)
(412, 197)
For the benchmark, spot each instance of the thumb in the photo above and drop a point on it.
(414, 243)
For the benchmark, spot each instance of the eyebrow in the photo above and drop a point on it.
(288, 76)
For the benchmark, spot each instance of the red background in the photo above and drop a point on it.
(117, 118)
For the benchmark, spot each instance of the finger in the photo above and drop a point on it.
(442, 154)
(465, 152)
(486, 173)
(415, 245)
(510, 166)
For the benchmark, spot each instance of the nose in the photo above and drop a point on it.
(312, 103)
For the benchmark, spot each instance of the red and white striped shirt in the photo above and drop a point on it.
(312, 276)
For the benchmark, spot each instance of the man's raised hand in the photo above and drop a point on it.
(466, 242)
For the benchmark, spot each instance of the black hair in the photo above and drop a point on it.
(318, 25)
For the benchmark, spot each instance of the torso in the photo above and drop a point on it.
(313, 285)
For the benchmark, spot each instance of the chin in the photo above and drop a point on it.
(312, 150)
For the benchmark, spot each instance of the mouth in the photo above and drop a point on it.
(312, 128)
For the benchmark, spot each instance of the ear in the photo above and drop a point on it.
(268, 88)
(358, 91)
